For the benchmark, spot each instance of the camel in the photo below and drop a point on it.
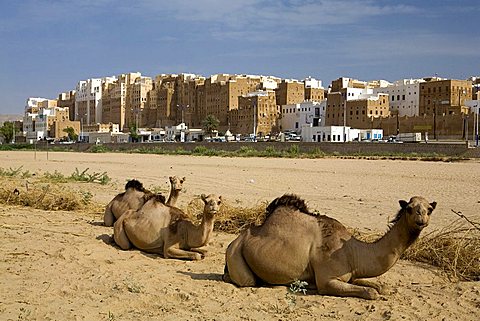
(133, 198)
(176, 187)
(293, 244)
(166, 230)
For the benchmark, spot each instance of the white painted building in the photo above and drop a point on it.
(295, 116)
(339, 134)
(404, 96)
(311, 82)
(88, 99)
(181, 133)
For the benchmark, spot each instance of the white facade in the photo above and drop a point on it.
(269, 83)
(356, 93)
(90, 91)
(312, 83)
(339, 134)
(33, 102)
(35, 125)
(295, 116)
(404, 96)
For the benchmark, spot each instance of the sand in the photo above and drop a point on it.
(64, 266)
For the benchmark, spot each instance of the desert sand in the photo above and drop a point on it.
(59, 265)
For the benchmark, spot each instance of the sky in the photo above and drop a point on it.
(47, 46)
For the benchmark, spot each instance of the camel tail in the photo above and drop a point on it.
(119, 235)
(133, 183)
(108, 217)
(289, 200)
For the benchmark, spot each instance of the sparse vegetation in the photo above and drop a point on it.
(230, 218)
(15, 172)
(455, 249)
(45, 196)
(47, 191)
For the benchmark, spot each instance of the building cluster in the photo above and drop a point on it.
(162, 108)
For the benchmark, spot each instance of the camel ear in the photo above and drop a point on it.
(183, 179)
(204, 197)
(403, 204)
(433, 205)
(170, 178)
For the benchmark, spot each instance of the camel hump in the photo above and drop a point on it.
(176, 216)
(158, 197)
(289, 200)
(133, 183)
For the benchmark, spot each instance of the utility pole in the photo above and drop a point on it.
(255, 120)
(435, 120)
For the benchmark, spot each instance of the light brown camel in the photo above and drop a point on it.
(133, 198)
(166, 230)
(294, 244)
(176, 184)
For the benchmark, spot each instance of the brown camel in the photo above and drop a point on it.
(166, 230)
(133, 198)
(294, 244)
(176, 187)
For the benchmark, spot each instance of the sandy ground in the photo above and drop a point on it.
(63, 265)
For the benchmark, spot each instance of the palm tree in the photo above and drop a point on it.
(210, 124)
(72, 136)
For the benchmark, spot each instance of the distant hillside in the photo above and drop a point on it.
(9, 117)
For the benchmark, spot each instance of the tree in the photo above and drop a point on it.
(210, 124)
(72, 136)
(134, 134)
(7, 131)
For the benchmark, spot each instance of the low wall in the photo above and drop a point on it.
(447, 149)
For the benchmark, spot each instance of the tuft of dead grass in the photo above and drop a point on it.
(455, 249)
(231, 218)
(45, 196)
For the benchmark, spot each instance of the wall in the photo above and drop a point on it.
(453, 150)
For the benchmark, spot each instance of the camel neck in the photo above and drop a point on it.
(374, 259)
(172, 198)
(203, 231)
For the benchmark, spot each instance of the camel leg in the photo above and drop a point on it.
(339, 288)
(120, 236)
(366, 283)
(237, 270)
(176, 253)
(108, 217)
(202, 250)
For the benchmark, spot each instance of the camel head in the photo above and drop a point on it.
(417, 212)
(212, 203)
(177, 183)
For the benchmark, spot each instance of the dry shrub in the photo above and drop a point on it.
(230, 218)
(45, 196)
(455, 249)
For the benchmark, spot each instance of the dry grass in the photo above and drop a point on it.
(231, 218)
(455, 249)
(45, 196)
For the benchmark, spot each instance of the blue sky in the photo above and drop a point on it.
(49, 45)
